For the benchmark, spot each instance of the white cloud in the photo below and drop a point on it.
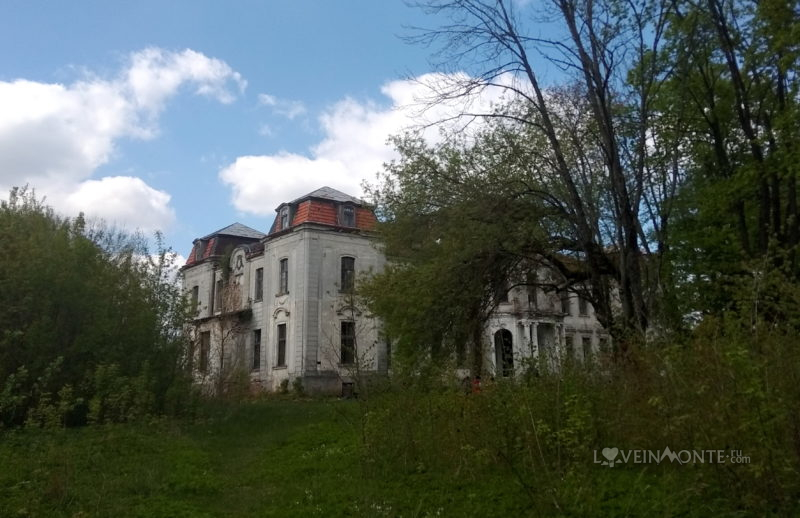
(120, 201)
(354, 146)
(284, 107)
(54, 136)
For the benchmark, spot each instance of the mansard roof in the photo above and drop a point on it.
(324, 206)
(216, 243)
(328, 193)
(236, 230)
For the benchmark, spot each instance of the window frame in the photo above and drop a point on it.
(347, 208)
(218, 287)
(280, 340)
(347, 283)
(195, 297)
(583, 307)
(203, 362)
(283, 276)
(284, 218)
(256, 363)
(566, 303)
(347, 351)
(258, 288)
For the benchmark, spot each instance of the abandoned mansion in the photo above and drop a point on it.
(280, 305)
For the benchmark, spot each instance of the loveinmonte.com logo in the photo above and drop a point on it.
(612, 456)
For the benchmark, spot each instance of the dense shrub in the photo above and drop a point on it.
(726, 389)
(90, 327)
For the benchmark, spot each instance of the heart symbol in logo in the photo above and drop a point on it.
(610, 453)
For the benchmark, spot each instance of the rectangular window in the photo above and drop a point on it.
(348, 216)
(284, 218)
(501, 295)
(586, 344)
(259, 289)
(583, 307)
(569, 346)
(533, 295)
(256, 349)
(283, 278)
(195, 297)
(281, 345)
(348, 274)
(566, 306)
(205, 351)
(218, 296)
(348, 337)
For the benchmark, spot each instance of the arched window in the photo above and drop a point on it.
(504, 351)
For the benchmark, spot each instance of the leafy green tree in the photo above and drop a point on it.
(736, 88)
(88, 313)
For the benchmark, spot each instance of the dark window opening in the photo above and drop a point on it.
(348, 216)
(586, 344)
(583, 306)
(284, 218)
(348, 337)
(195, 297)
(348, 274)
(501, 294)
(283, 281)
(256, 349)
(533, 294)
(218, 296)
(566, 306)
(205, 351)
(281, 345)
(259, 291)
(504, 351)
(569, 347)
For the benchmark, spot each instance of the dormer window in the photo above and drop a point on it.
(348, 216)
(284, 218)
(199, 250)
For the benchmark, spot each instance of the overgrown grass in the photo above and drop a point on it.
(723, 390)
(265, 458)
(528, 447)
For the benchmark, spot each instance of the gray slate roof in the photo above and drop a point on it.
(238, 230)
(329, 193)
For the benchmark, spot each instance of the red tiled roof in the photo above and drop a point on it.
(365, 219)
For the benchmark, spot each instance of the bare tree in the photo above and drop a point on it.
(610, 50)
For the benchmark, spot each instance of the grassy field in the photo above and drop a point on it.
(266, 458)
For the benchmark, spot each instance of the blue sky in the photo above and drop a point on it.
(190, 115)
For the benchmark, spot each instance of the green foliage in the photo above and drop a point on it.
(724, 389)
(91, 327)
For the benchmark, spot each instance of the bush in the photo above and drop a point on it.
(90, 321)
(723, 390)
